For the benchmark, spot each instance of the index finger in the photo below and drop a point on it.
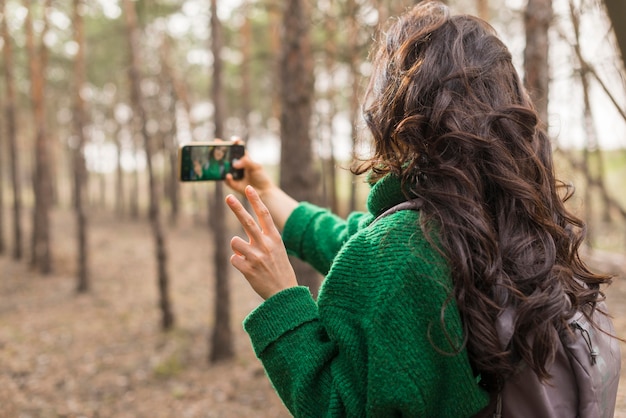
(245, 219)
(262, 212)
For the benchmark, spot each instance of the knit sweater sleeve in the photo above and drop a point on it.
(315, 235)
(373, 345)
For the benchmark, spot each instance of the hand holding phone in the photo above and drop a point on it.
(209, 161)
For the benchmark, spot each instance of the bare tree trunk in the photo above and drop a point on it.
(537, 20)
(134, 185)
(617, 10)
(329, 171)
(482, 7)
(2, 240)
(80, 169)
(41, 248)
(354, 59)
(246, 76)
(139, 115)
(222, 338)
(171, 145)
(10, 121)
(275, 36)
(297, 176)
(119, 172)
(182, 95)
(172, 149)
(592, 148)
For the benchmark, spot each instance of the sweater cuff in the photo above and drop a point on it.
(281, 313)
(296, 226)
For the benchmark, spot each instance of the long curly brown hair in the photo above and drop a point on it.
(450, 116)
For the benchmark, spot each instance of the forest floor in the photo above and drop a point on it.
(103, 354)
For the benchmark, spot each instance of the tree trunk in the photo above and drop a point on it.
(537, 20)
(297, 177)
(2, 241)
(182, 95)
(354, 60)
(172, 144)
(133, 198)
(617, 11)
(139, 116)
(172, 149)
(119, 172)
(80, 169)
(41, 256)
(222, 336)
(10, 120)
(329, 170)
(482, 9)
(592, 145)
(246, 65)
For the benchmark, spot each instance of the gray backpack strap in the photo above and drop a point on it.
(413, 204)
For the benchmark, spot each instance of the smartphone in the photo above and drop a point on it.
(208, 161)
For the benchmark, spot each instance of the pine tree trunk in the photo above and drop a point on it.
(2, 240)
(329, 178)
(171, 145)
(41, 256)
(617, 13)
(482, 7)
(354, 60)
(80, 170)
(119, 174)
(139, 115)
(10, 120)
(221, 338)
(246, 76)
(537, 20)
(297, 177)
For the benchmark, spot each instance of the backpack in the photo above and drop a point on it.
(584, 374)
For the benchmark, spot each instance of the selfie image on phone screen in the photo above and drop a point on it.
(206, 162)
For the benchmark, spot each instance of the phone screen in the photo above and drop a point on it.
(209, 162)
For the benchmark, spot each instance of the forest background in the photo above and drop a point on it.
(116, 295)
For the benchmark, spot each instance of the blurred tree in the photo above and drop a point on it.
(329, 112)
(537, 20)
(41, 256)
(354, 62)
(80, 170)
(592, 164)
(11, 132)
(297, 177)
(170, 144)
(222, 338)
(482, 7)
(617, 13)
(2, 158)
(246, 69)
(141, 121)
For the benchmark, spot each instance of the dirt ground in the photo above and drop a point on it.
(102, 354)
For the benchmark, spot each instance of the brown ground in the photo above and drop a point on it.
(103, 354)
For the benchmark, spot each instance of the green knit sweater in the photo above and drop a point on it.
(373, 345)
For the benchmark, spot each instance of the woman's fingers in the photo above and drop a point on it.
(262, 259)
(263, 214)
(245, 219)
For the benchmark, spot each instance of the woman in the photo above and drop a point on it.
(405, 322)
(217, 165)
